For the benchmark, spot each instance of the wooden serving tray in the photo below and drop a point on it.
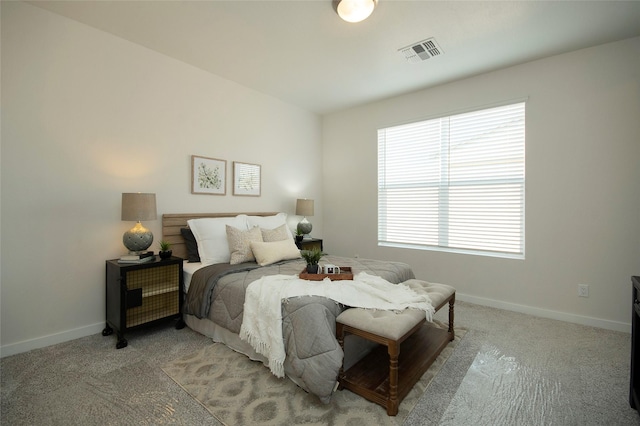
(345, 274)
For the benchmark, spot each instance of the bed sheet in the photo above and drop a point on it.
(188, 269)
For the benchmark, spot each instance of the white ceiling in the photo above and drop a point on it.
(301, 52)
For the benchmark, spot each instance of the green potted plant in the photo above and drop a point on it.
(299, 235)
(165, 249)
(312, 257)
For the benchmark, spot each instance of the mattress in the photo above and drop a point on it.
(189, 268)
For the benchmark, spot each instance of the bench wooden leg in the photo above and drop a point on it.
(393, 348)
(452, 301)
(340, 336)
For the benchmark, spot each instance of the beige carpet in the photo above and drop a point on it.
(238, 391)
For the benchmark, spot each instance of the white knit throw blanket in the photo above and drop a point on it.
(262, 317)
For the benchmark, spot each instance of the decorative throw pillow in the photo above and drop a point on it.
(272, 252)
(211, 235)
(269, 222)
(278, 234)
(191, 244)
(240, 244)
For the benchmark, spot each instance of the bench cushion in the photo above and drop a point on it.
(390, 324)
(438, 293)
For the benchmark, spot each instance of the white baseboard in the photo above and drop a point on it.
(52, 339)
(546, 313)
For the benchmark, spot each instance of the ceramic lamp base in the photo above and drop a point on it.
(304, 227)
(137, 239)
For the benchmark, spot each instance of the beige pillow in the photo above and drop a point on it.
(278, 234)
(272, 252)
(269, 222)
(240, 244)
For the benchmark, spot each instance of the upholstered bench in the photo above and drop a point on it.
(387, 379)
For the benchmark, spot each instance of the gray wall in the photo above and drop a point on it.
(87, 116)
(582, 185)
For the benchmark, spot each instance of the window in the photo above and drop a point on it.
(454, 183)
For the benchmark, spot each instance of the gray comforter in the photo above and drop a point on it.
(314, 356)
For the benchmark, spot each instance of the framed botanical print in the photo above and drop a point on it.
(208, 176)
(246, 179)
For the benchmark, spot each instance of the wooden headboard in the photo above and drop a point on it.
(172, 222)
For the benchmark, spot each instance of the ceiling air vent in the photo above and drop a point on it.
(421, 51)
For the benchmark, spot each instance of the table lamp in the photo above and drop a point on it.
(304, 207)
(137, 207)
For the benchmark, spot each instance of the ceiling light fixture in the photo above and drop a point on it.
(354, 10)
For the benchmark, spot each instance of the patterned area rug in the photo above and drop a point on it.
(238, 391)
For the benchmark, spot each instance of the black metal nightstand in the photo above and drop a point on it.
(310, 244)
(142, 293)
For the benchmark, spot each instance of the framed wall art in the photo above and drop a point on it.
(246, 179)
(208, 176)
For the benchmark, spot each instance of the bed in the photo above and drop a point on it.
(215, 294)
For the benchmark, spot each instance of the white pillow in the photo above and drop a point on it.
(240, 244)
(268, 253)
(211, 236)
(269, 222)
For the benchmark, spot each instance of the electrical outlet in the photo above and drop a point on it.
(583, 290)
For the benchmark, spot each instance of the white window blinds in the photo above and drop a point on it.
(454, 183)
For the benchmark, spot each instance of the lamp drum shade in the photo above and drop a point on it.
(304, 207)
(138, 206)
